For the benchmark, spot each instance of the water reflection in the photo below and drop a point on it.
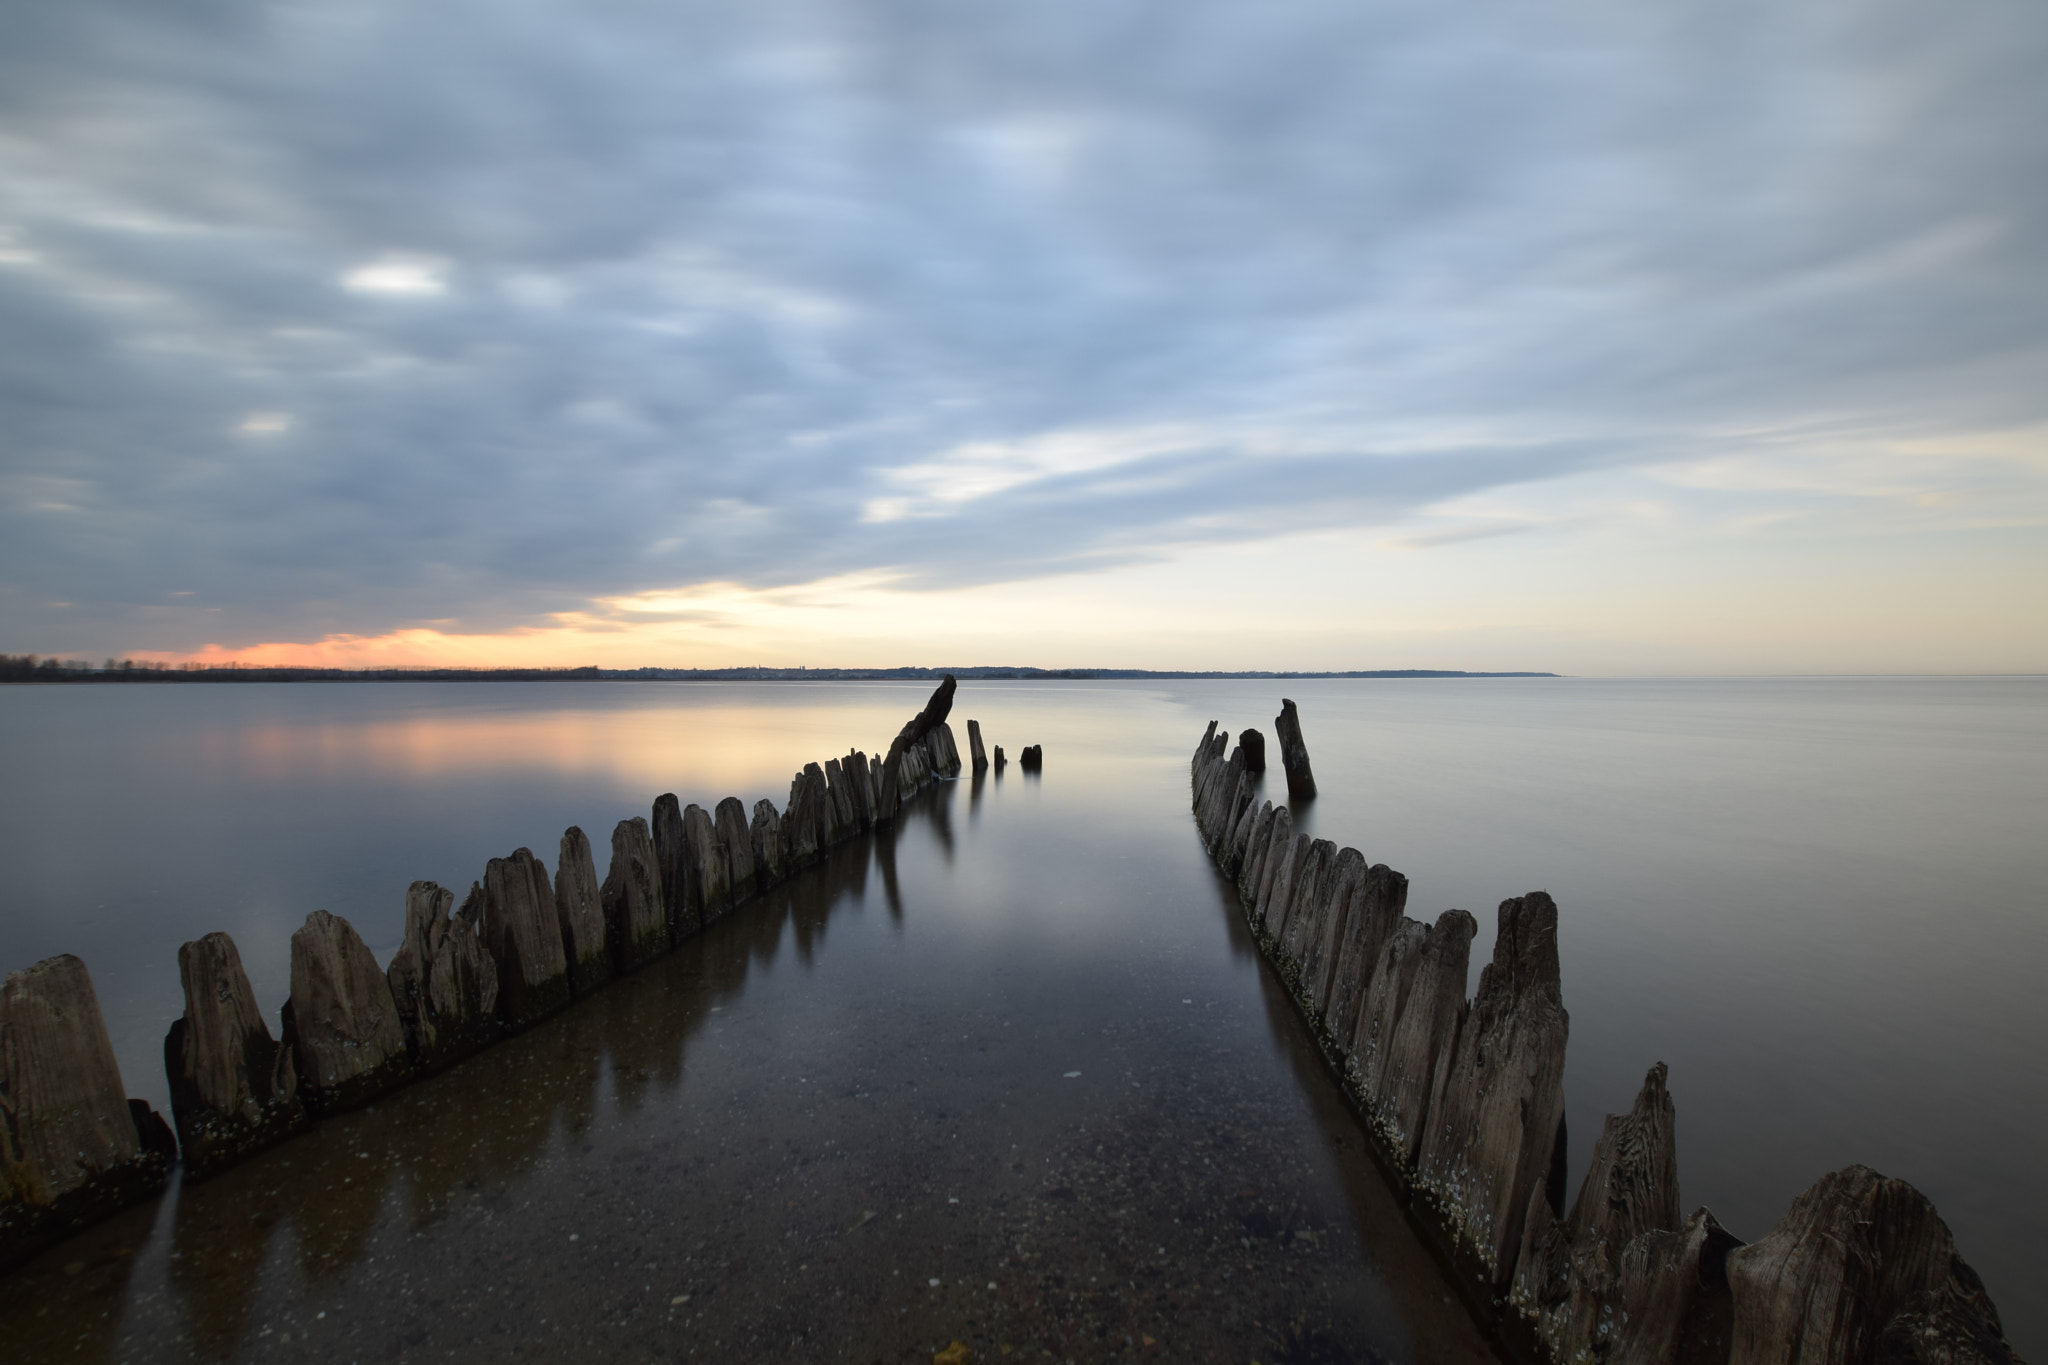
(1710, 843)
(462, 1142)
(628, 731)
(755, 1147)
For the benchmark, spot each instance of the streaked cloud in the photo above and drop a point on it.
(564, 311)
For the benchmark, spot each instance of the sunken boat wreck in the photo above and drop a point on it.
(74, 1149)
(1463, 1100)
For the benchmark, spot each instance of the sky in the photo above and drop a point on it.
(1595, 337)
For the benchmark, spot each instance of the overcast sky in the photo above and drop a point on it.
(1602, 337)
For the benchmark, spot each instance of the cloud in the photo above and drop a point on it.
(563, 306)
(399, 275)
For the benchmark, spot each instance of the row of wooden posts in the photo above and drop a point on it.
(74, 1148)
(1464, 1099)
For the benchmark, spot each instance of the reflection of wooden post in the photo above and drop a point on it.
(73, 1147)
(1301, 783)
(234, 1091)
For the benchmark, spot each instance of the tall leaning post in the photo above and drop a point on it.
(1301, 783)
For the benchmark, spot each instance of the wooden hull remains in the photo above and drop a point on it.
(1464, 1101)
(74, 1149)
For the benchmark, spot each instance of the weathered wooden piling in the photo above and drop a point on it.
(735, 849)
(443, 979)
(73, 1147)
(707, 881)
(1860, 1268)
(1278, 852)
(1569, 1284)
(525, 938)
(635, 898)
(671, 857)
(803, 822)
(579, 911)
(893, 785)
(342, 1022)
(823, 810)
(1375, 912)
(860, 785)
(234, 1089)
(1346, 875)
(1254, 745)
(1496, 1123)
(770, 862)
(1031, 758)
(943, 753)
(1464, 1101)
(975, 752)
(1301, 782)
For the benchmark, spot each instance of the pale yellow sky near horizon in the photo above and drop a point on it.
(1898, 558)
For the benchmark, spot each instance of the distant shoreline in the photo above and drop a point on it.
(30, 670)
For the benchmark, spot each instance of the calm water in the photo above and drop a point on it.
(1813, 898)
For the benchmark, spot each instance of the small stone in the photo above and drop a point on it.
(956, 1354)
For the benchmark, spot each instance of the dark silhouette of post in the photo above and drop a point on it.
(1301, 783)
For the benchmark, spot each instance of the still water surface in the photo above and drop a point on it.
(1813, 898)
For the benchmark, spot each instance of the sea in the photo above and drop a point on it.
(1011, 1073)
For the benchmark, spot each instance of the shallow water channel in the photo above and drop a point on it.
(1010, 1074)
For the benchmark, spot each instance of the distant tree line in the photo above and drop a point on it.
(30, 668)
